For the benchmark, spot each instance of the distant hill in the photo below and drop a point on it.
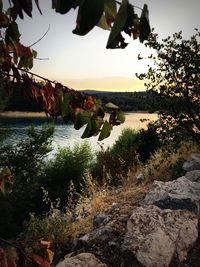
(128, 101)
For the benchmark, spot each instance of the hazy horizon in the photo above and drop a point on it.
(84, 62)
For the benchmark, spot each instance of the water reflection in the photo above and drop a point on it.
(66, 135)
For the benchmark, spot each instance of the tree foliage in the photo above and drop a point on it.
(176, 78)
(58, 100)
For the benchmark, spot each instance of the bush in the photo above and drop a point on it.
(166, 163)
(130, 147)
(126, 146)
(54, 227)
(69, 165)
(149, 142)
(25, 160)
(176, 169)
(108, 168)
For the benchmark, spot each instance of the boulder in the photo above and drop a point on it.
(193, 163)
(193, 176)
(154, 235)
(99, 235)
(81, 260)
(182, 193)
(100, 220)
(105, 242)
(177, 204)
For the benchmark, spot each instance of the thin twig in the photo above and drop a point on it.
(41, 37)
(45, 58)
(36, 75)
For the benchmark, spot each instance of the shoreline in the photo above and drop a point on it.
(22, 114)
(32, 114)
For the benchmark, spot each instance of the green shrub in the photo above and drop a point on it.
(176, 169)
(54, 227)
(149, 142)
(130, 148)
(126, 146)
(69, 165)
(25, 160)
(108, 168)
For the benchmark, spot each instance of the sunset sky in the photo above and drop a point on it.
(84, 62)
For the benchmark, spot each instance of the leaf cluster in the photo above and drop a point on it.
(57, 100)
(105, 14)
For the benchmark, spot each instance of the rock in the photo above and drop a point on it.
(100, 220)
(104, 242)
(115, 207)
(176, 204)
(99, 235)
(154, 236)
(81, 260)
(181, 193)
(193, 176)
(193, 163)
(140, 177)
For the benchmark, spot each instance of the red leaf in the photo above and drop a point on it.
(23, 51)
(3, 260)
(40, 261)
(45, 243)
(11, 263)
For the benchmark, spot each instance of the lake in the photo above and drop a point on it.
(66, 135)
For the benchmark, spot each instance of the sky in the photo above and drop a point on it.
(83, 62)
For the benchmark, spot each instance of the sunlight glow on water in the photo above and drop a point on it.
(66, 135)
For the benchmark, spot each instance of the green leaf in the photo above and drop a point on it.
(89, 14)
(145, 29)
(100, 112)
(81, 119)
(111, 106)
(110, 8)
(63, 6)
(27, 7)
(25, 62)
(34, 53)
(97, 102)
(103, 23)
(66, 110)
(87, 131)
(12, 33)
(118, 26)
(93, 127)
(105, 131)
(120, 117)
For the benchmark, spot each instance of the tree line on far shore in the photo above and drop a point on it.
(127, 101)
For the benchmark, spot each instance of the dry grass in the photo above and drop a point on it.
(157, 168)
(99, 199)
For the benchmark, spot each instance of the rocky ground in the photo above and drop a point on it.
(162, 230)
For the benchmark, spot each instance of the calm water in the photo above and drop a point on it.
(66, 135)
